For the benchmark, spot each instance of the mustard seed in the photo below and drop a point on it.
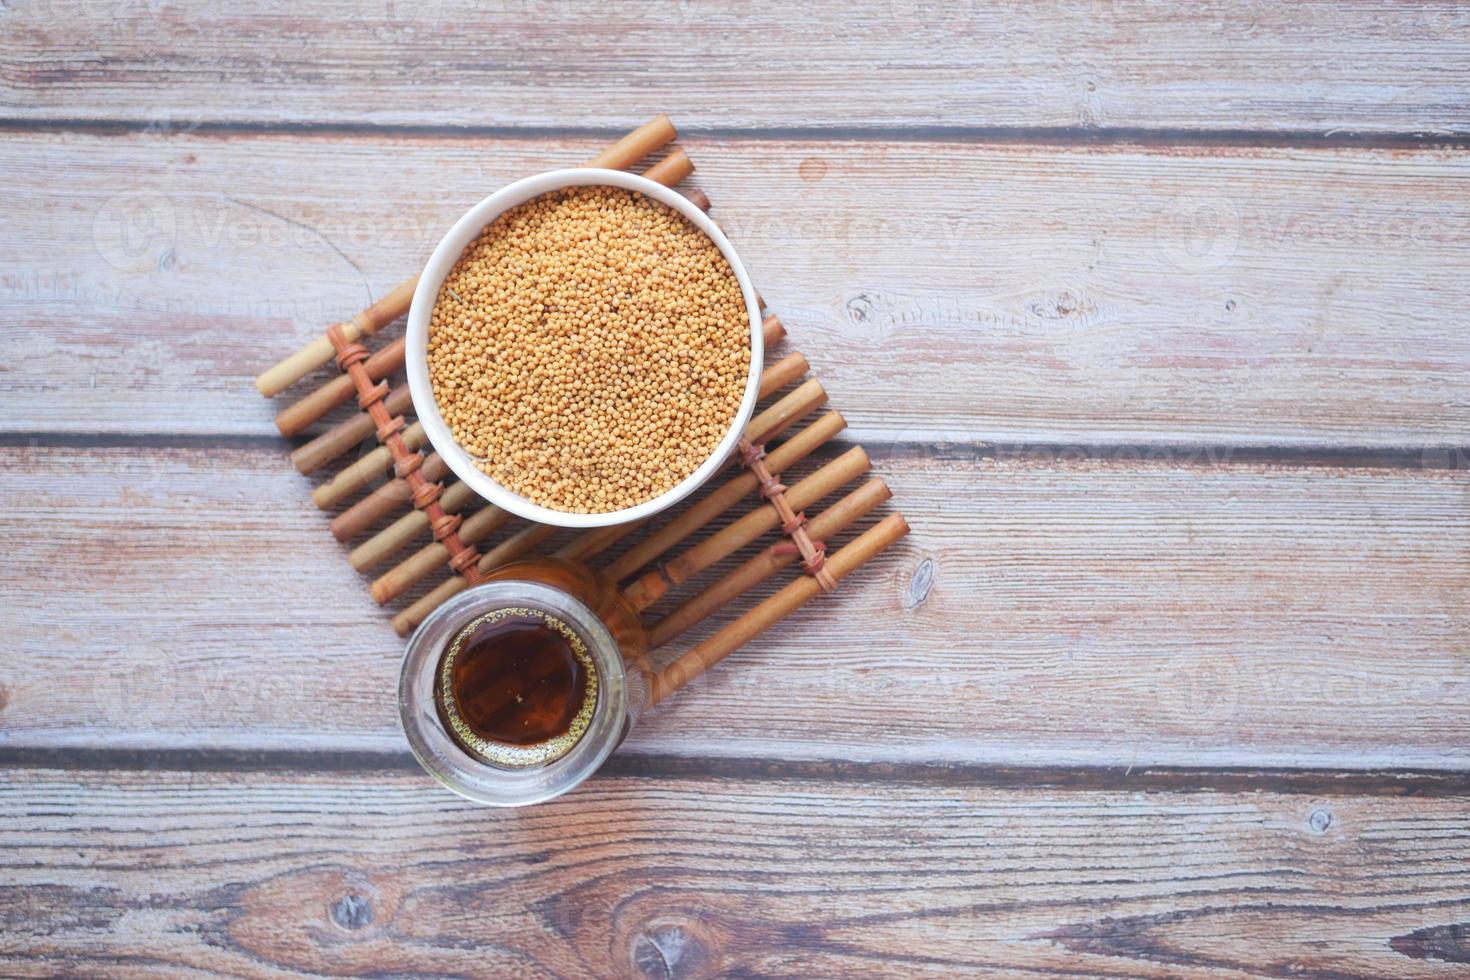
(590, 349)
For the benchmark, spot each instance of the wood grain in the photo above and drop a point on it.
(902, 64)
(207, 874)
(1151, 315)
(1297, 298)
(1052, 610)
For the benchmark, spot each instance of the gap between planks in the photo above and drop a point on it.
(1058, 136)
(1181, 453)
(1419, 782)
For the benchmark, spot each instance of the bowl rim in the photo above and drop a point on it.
(437, 269)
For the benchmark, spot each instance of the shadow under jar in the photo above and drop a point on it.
(516, 690)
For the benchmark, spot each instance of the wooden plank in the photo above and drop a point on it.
(1046, 610)
(275, 874)
(1300, 298)
(906, 64)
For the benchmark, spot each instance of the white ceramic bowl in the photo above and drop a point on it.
(448, 252)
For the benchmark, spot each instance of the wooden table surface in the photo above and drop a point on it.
(1153, 317)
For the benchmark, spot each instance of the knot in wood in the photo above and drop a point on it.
(352, 912)
(919, 585)
(670, 949)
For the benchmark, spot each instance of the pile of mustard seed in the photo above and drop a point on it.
(590, 349)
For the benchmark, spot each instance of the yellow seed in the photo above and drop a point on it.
(591, 348)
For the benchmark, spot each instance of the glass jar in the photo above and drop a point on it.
(613, 681)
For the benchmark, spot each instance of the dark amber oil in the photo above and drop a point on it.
(516, 687)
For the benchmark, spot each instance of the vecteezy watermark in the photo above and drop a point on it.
(133, 231)
(1049, 312)
(137, 235)
(136, 231)
(99, 10)
(1198, 234)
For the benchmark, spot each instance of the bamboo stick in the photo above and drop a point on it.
(404, 622)
(403, 531)
(363, 472)
(591, 543)
(826, 525)
(351, 431)
(671, 169)
(802, 401)
(785, 412)
(697, 197)
(383, 501)
(413, 524)
(316, 404)
(652, 135)
(772, 329)
(700, 514)
(320, 351)
(402, 577)
(647, 590)
(513, 547)
(587, 545)
(790, 598)
(782, 373)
